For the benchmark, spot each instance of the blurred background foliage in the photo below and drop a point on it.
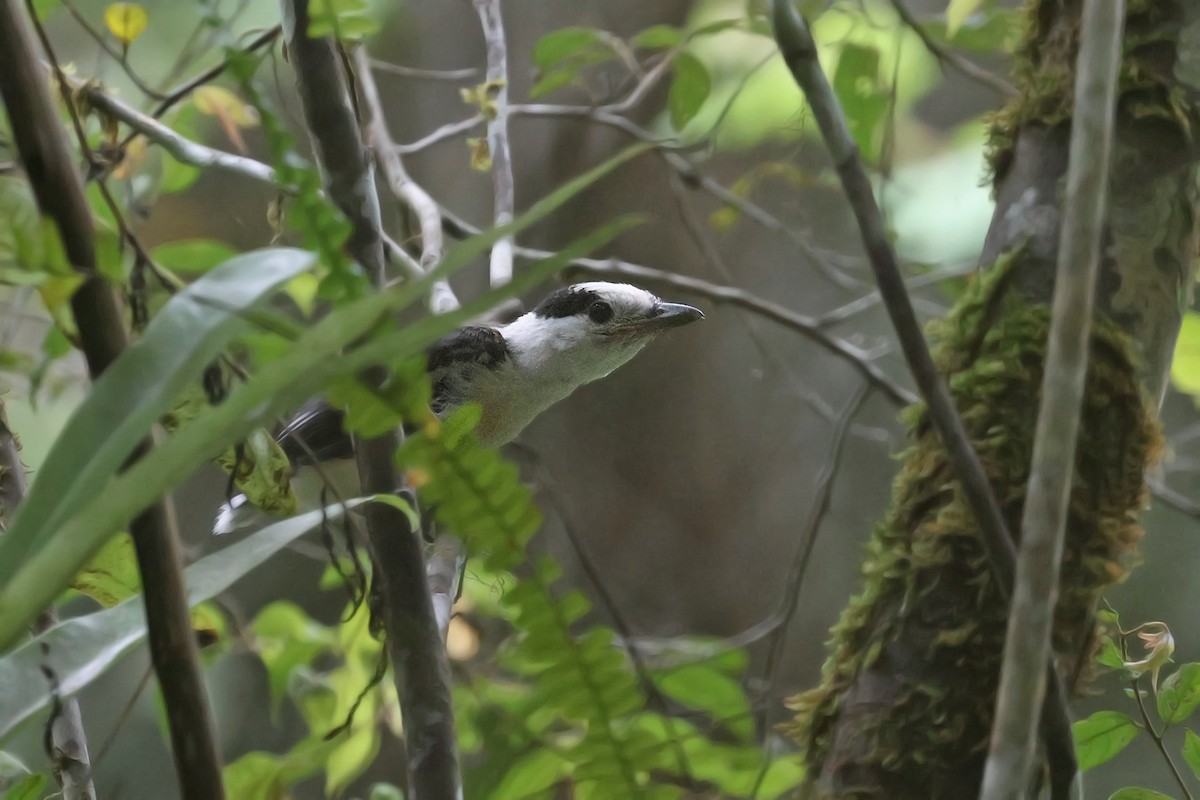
(674, 493)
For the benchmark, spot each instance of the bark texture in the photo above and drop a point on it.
(904, 707)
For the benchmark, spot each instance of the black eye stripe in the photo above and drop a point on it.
(566, 303)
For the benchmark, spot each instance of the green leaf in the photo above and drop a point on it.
(657, 37)
(1137, 793)
(112, 575)
(1101, 736)
(177, 345)
(1179, 694)
(1191, 751)
(688, 91)
(385, 791)
(286, 638)
(561, 44)
(702, 687)
(192, 256)
(957, 12)
(81, 649)
(532, 774)
(29, 788)
(857, 85)
(1185, 365)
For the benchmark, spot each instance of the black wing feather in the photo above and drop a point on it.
(316, 431)
(472, 345)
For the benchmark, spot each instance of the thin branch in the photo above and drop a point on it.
(800, 53)
(69, 756)
(1155, 735)
(379, 138)
(1011, 754)
(187, 87)
(182, 149)
(422, 672)
(424, 74)
(447, 131)
(52, 175)
(1174, 499)
(107, 46)
(795, 579)
(492, 21)
(692, 176)
(946, 56)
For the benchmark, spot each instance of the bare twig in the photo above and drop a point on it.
(187, 87)
(1051, 475)
(59, 191)
(424, 74)
(504, 203)
(107, 46)
(181, 148)
(692, 176)
(447, 131)
(414, 644)
(795, 580)
(441, 296)
(947, 56)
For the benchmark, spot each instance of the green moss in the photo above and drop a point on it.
(928, 608)
(1043, 71)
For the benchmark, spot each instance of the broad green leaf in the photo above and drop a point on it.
(688, 91)
(857, 85)
(1138, 793)
(385, 791)
(354, 751)
(192, 256)
(957, 12)
(702, 687)
(285, 638)
(1179, 694)
(345, 19)
(1191, 751)
(561, 44)
(177, 345)
(657, 37)
(782, 776)
(1101, 736)
(531, 775)
(28, 788)
(81, 649)
(126, 21)
(1185, 365)
(112, 574)
(266, 776)
(316, 357)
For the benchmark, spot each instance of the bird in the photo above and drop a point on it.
(576, 335)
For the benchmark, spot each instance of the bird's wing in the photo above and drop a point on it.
(454, 356)
(316, 430)
(315, 433)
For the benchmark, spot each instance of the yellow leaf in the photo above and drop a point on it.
(126, 21)
(219, 102)
(957, 12)
(112, 574)
(481, 154)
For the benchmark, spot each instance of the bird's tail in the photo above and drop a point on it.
(238, 513)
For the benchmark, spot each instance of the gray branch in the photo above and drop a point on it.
(501, 266)
(1044, 519)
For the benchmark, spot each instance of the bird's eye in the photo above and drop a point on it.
(600, 312)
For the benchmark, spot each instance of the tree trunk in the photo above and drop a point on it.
(904, 707)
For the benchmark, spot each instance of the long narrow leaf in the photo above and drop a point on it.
(81, 649)
(181, 340)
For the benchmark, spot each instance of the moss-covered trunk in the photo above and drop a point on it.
(904, 708)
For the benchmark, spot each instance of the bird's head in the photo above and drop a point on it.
(590, 329)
